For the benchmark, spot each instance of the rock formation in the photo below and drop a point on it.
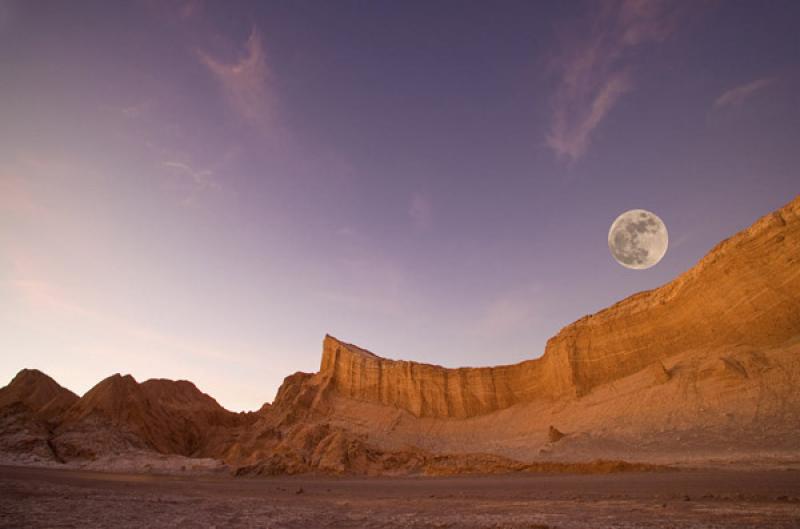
(170, 417)
(38, 393)
(745, 292)
(702, 368)
(29, 406)
(433, 391)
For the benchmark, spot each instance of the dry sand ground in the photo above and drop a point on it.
(37, 497)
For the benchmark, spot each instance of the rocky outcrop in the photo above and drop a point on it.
(29, 406)
(433, 391)
(170, 417)
(746, 291)
(38, 393)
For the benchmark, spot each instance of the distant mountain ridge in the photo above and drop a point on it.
(703, 368)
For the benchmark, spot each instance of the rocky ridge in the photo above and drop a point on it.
(703, 368)
(745, 292)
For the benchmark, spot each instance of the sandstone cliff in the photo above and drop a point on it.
(745, 292)
(433, 391)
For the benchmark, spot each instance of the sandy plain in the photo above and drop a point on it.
(707, 498)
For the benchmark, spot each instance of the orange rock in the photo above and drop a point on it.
(746, 291)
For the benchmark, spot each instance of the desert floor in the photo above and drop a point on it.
(36, 497)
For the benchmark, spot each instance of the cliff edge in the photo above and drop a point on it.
(744, 292)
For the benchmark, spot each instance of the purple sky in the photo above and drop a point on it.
(203, 190)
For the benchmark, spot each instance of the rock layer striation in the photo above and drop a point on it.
(745, 292)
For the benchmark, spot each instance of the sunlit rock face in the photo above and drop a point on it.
(746, 291)
(433, 391)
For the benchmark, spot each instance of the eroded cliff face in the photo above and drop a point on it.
(745, 292)
(433, 391)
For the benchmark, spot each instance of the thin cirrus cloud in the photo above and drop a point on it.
(594, 71)
(203, 179)
(190, 8)
(739, 94)
(44, 296)
(245, 82)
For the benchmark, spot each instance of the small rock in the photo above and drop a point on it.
(299, 491)
(553, 435)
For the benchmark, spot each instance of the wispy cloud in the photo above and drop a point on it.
(245, 82)
(195, 185)
(420, 210)
(135, 110)
(595, 72)
(739, 94)
(190, 8)
(42, 295)
(202, 178)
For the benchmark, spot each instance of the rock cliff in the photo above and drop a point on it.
(433, 391)
(745, 292)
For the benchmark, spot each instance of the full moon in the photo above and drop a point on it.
(638, 239)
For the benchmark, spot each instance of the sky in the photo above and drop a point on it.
(202, 190)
